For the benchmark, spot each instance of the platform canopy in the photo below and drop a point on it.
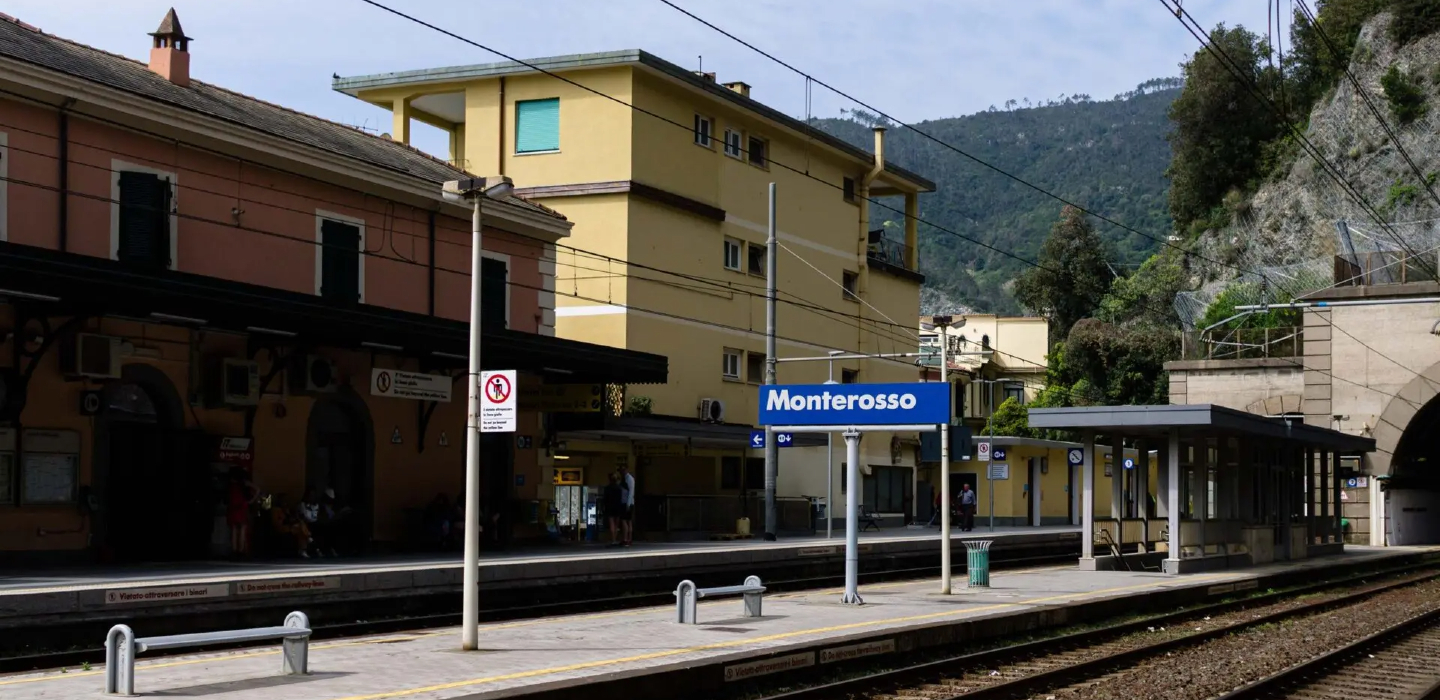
(1194, 421)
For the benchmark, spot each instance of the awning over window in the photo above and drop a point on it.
(68, 284)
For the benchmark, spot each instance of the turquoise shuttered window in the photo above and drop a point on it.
(537, 125)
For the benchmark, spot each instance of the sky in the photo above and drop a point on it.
(916, 60)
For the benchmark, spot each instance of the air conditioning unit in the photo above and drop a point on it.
(91, 356)
(712, 410)
(233, 382)
(312, 374)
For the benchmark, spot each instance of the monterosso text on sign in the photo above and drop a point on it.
(855, 404)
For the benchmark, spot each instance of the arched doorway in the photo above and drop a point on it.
(151, 484)
(340, 457)
(1412, 493)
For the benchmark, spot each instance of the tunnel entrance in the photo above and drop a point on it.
(1412, 491)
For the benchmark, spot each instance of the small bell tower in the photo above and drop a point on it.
(170, 51)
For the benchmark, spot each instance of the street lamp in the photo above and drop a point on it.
(474, 190)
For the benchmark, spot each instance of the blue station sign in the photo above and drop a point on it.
(855, 404)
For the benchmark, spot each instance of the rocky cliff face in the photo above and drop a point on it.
(1288, 228)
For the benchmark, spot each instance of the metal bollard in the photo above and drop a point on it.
(685, 601)
(120, 661)
(752, 600)
(978, 562)
(295, 651)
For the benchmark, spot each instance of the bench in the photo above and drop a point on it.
(687, 596)
(121, 647)
(869, 519)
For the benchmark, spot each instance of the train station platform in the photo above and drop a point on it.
(99, 595)
(644, 653)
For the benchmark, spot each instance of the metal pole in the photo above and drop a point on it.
(992, 454)
(852, 518)
(830, 468)
(772, 450)
(470, 617)
(945, 467)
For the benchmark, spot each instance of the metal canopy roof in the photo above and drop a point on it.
(85, 285)
(1195, 420)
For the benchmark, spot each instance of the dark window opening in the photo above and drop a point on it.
(494, 291)
(847, 189)
(729, 472)
(144, 220)
(849, 376)
(757, 151)
(755, 367)
(851, 282)
(754, 473)
(886, 489)
(340, 261)
(757, 260)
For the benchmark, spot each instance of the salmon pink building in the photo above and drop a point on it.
(195, 282)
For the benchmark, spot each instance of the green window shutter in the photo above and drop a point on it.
(537, 125)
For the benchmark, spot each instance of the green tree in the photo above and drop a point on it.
(1011, 419)
(1072, 278)
(1413, 19)
(1406, 98)
(1119, 366)
(1312, 66)
(1220, 126)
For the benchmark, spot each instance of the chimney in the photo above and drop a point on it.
(737, 86)
(170, 52)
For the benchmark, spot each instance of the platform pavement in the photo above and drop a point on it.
(573, 651)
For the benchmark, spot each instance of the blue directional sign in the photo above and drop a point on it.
(757, 439)
(1129, 463)
(997, 453)
(855, 404)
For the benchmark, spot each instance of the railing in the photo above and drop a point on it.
(888, 251)
(1384, 267)
(716, 514)
(1242, 343)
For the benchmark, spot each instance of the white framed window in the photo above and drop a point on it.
(733, 252)
(730, 364)
(144, 215)
(339, 257)
(704, 131)
(734, 143)
(4, 186)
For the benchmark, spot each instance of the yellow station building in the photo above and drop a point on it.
(665, 173)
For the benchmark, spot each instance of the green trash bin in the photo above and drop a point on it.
(978, 562)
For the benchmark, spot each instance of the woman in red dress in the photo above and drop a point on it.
(237, 511)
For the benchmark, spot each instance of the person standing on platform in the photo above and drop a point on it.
(967, 508)
(627, 513)
(239, 496)
(613, 502)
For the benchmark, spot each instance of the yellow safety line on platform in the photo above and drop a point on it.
(208, 659)
(754, 640)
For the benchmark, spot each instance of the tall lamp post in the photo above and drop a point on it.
(474, 190)
(942, 324)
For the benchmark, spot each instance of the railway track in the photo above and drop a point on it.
(1401, 662)
(1062, 666)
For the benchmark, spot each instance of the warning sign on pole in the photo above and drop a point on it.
(982, 451)
(497, 401)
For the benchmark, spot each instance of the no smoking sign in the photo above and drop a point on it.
(497, 401)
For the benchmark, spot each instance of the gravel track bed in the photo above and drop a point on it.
(977, 678)
(1221, 665)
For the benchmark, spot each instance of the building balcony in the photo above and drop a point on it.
(893, 256)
